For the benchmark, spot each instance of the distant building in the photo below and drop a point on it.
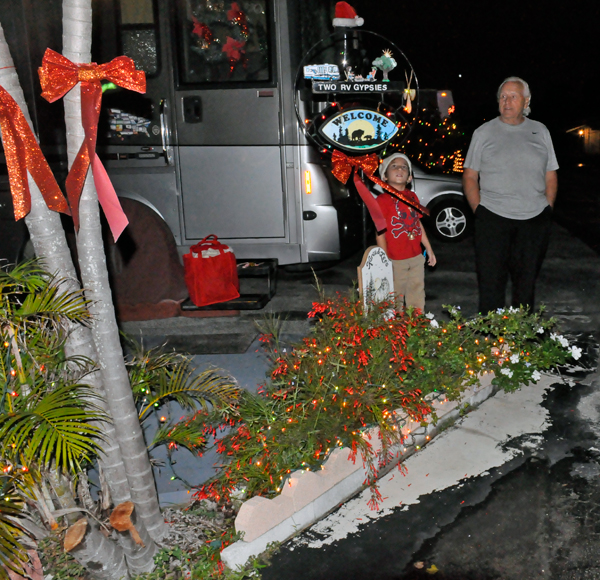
(589, 137)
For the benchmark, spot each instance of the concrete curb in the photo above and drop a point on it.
(309, 496)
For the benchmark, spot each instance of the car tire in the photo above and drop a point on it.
(452, 220)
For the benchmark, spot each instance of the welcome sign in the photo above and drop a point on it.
(358, 130)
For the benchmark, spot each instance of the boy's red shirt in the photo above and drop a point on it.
(403, 228)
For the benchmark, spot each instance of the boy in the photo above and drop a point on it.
(403, 236)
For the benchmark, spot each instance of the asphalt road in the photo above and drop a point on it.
(578, 203)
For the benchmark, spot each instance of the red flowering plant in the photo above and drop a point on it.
(360, 369)
(349, 374)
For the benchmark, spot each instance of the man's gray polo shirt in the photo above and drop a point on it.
(512, 161)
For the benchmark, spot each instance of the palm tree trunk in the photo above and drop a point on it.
(104, 557)
(49, 242)
(77, 34)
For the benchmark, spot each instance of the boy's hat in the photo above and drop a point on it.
(385, 162)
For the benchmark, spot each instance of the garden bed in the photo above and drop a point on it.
(309, 496)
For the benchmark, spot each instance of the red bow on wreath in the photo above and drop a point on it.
(344, 165)
(24, 154)
(58, 75)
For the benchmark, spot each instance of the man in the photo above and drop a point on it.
(510, 183)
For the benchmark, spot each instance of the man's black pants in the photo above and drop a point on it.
(506, 246)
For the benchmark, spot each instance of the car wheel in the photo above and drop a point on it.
(451, 220)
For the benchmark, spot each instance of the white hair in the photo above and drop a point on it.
(526, 91)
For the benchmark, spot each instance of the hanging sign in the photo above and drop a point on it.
(356, 87)
(358, 130)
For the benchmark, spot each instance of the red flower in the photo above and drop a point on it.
(363, 358)
(317, 308)
(281, 369)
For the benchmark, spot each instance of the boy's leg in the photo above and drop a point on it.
(415, 282)
(400, 269)
(526, 257)
(492, 247)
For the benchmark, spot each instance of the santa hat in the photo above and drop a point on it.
(385, 163)
(345, 15)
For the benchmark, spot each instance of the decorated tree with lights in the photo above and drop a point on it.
(437, 141)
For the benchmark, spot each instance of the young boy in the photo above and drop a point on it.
(404, 234)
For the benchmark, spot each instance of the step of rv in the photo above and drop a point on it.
(244, 302)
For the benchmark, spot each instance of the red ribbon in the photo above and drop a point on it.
(22, 154)
(344, 165)
(58, 75)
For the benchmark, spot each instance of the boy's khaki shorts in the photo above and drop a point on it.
(409, 282)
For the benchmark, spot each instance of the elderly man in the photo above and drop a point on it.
(510, 183)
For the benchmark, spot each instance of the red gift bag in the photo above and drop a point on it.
(211, 272)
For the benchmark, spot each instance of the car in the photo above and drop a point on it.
(451, 218)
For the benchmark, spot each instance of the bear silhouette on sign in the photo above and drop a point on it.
(356, 135)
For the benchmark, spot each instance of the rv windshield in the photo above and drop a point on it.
(224, 42)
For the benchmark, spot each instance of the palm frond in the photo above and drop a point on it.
(189, 390)
(50, 302)
(28, 276)
(11, 549)
(57, 426)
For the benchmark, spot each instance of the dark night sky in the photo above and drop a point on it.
(553, 45)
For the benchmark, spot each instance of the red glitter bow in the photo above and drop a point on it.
(22, 154)
(343, 166)
(58, 75)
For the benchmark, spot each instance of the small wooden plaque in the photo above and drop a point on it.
(375, 276)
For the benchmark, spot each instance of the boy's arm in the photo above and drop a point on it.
(381, 242)
(431, 259)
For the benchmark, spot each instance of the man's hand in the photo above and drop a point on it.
(471, 187)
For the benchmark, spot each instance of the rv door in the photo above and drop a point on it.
(227, 122)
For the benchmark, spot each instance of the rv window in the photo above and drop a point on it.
(309, 22)
(138, 34)
(224, 41)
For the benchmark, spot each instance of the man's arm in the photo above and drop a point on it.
(551, 187)
(471, 187)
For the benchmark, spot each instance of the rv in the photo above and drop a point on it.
(214, 146)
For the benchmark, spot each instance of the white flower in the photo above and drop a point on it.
(560, 338)
(540, 330)
(500, 311)
(575, 352)
(430, 316)
(535, 376)
(514, 358)
(512, 310)
(434, 324)
(507, 372)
